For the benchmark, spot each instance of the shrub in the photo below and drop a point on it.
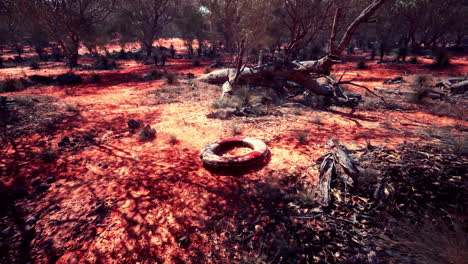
(433, 241)
(154, 75)
(442, 59)
(457, 144)
(361, 65)
(447, 109)
(196, 63)
(95, 78)
(421, 88)
(69, 78)
(24, 101)
(11, 85)
(236, 130)
(170, 78)
(1, 62)
(72, 108)
(147, 133)
(173, 140)
(34, 65)
(316, 119)
(48, 155)
(302, 137)
(103, 63)
(413, 60)
(421, 80)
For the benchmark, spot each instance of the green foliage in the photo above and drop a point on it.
(190, 22)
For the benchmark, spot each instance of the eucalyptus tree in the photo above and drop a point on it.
(145, 20)
(68, 21)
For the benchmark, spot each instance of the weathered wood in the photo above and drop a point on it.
(335, 163)
(279, 69)
(460, 87)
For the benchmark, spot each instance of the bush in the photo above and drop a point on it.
(170, 78)
(207, 70)
(103, 63)
(361, 65)
(236, 130)
(317, 120)
(147, 133)
(196, 63)
(34, 65)
(442, 59)
(95, 78)
(57, 54)
(69, 78)
(1, 62)
(48, 155)
(421, 80)
(420, 85)
(413, 60)
(302, 137)
(173, 140)
(11, 85)
(438, 240)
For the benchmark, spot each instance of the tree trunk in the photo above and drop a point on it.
(270, 74)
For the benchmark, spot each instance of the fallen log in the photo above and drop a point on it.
(459, 88)
(279, 75)
(321, 66)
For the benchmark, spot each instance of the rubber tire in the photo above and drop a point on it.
(211, 159)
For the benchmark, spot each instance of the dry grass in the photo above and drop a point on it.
(147, 133)
(173, 140)
(434, 241)
(302, 137)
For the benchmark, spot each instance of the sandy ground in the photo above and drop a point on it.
(127, 201)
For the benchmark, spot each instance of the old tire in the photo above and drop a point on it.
(211, 158)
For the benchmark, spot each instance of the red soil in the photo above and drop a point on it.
(159, 194)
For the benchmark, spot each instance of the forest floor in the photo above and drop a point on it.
(111, 198)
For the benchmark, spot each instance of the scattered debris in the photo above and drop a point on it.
(396, 80)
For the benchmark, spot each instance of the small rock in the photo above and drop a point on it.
(29, 231)
(64, 141)
(6, 232)
(42, 188)
(31, 220)
(133, 124)
(54, 207)
(35, 182)
(105, 166)
(50, 179)
(184, 242)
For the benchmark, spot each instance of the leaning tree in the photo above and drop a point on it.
(305, 73)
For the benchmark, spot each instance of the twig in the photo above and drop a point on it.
(341, 77)
(367, 89)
